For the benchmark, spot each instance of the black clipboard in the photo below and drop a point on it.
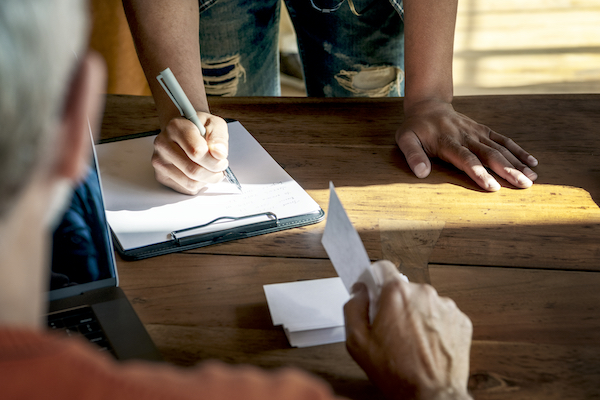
(180, 240)
(207, 239)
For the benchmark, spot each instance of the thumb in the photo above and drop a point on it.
(356, 314)
(217, 139)
(411, 147)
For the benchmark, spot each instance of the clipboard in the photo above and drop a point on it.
(148, 219)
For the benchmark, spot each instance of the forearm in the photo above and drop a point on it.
(429, 40)
(165, 33)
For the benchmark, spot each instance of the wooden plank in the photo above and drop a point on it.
(516, 371)
(183, 345)
(210, 290)
(499, 370)
(126, 115)
(537, 332)
(505, 304)
(518, 305)
(538, 123)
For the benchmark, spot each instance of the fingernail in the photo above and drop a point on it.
(524, 181)
(530, 174)
(531, 160)
(493, 185)
(420, 170)
(219, 150)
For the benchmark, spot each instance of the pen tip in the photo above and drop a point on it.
(232, 179)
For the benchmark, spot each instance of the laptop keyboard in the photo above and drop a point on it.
(80, 322)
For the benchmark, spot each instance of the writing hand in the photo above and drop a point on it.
(185, 161)
(433, 128)
(418, 346)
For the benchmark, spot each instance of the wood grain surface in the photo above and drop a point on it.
(524, 265)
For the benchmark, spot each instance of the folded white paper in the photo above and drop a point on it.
(316, 337)
(311, 312)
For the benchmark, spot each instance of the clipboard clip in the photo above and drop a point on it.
(236, 232)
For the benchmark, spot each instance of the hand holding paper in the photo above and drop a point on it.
(311, 312)
(411, 342)
(347, 252)
(417, 347)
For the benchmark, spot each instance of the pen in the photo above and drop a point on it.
(168, 81)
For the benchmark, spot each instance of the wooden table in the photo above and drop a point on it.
(523, 264)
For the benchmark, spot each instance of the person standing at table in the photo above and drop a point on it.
(348, 48)
(417, 347)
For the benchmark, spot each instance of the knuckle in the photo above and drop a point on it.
(160, 143)
(197, 152)
(395, 284)
(450, 141)
(170, 127)
(519, 165)
(429, 291)
(192, 170)
(353, 340)
(484, 131)
(469, 157)
(173, 128)
(508, 142)
(217, 123)
(449, 303)
(402, 137)
(491, 153)
(157, 162)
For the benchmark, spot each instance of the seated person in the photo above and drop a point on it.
(417, 346)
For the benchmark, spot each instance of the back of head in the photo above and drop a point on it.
(39, 40)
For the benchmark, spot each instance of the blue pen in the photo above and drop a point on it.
(177, 95)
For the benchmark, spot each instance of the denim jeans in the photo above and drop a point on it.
(343, 55)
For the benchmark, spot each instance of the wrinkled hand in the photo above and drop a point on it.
(185, 161)
(433, 128)
(418, 346)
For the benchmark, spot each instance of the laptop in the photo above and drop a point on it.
(85, 299)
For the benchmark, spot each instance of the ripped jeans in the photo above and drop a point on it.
(343, 55)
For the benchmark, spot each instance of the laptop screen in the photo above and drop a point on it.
(82, 256)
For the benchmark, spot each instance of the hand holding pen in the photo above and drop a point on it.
(190, 152)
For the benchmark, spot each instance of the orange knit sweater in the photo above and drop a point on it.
(36, 365)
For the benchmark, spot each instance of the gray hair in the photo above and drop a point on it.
(38, 44)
